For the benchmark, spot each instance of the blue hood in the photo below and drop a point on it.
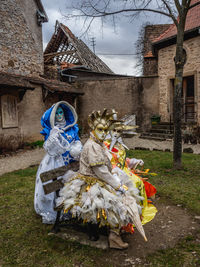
(48, 118)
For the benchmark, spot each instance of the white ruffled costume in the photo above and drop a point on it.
(93, 193)
(62, 146)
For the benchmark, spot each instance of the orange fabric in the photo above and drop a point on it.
(128, 228)
(149, 188)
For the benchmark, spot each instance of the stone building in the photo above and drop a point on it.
(24, 92)
(68, 58)
(150, 63)
(163, 51)
(31, 82)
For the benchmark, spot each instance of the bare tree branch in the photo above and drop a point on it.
(193, 5)
(104, 14)
(178, 6)
(170, 12)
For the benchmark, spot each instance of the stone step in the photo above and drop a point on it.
(153, 138)
(161, 130)
(162, 126)
(161, 135)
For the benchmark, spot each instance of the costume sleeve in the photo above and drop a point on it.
(95, 155)
(103, 174)
(56, 144)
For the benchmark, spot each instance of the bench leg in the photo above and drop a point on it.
(56, 227)
(93, 231)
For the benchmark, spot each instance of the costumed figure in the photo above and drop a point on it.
(120, 162)
(62, 146)
(95, 195)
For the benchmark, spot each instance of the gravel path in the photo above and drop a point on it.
(21, 160)
(135, 142)
(25, 159)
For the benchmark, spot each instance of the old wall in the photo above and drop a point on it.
(166, 71)
(29, 112)
(21, 38)
(31, 109)
(127, 95)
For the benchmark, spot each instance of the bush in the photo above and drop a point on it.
(38, 143)
(10, 143)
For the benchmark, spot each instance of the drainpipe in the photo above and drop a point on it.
(70, 77)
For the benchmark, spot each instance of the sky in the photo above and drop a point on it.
(118, 43)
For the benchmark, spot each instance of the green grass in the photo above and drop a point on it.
(185, 254)
(180, 187)
(24, 240)
(35, 144)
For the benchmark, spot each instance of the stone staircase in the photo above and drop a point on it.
(160, 132)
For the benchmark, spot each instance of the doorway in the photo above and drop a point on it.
(188, 98)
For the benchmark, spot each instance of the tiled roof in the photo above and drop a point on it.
(149, 54)
(192, 22)
(65, 47)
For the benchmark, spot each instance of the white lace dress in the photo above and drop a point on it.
(55, 146)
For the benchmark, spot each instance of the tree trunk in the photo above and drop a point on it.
(177, 154)
(177, 113)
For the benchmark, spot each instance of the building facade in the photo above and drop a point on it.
(162, 54)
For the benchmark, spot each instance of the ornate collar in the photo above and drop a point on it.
(95, 139)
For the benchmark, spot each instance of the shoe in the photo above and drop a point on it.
(115, 241)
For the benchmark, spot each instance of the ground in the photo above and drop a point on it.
(173, 236)
(171, 224)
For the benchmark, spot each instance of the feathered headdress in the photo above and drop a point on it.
(105, 118)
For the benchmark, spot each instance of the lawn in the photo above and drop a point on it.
(24, 240)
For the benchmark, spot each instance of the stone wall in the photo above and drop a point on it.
(20, 38)
(127, 95)
(30, 110)
(150, 65)
(166, 71)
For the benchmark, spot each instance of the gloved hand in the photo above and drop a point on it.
(116, 177)
(55, 131)
(140, 162)
(132, 163)
(75, 149)
(56, 134)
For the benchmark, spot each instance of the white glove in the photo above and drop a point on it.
(134, 162)
(55, 131)
(75, 149)
(56, 134)
(140, 162)
(116, 177)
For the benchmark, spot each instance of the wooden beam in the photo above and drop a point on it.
(52, 187)
(55, 54)
(52, 174)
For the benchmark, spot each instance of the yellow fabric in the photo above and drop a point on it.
(148, 211)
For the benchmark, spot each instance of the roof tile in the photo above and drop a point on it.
(192, 22)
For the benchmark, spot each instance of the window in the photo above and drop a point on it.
(9, 111)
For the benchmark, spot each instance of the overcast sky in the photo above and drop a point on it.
(109, 40)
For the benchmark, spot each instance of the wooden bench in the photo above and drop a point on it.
(56, 184)
(76, 231)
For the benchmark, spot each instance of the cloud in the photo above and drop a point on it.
(109, 39)
(121, 65)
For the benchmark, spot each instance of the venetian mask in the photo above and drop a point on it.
(101, 130)
(115, 133)
(59, 114)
